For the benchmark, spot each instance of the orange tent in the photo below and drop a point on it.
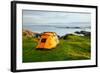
(48, 40)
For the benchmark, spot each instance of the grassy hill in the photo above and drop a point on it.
(72, 47)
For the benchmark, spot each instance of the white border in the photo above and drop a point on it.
(37, 65)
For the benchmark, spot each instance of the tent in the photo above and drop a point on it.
(48, 40)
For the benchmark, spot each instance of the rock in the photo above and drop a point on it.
(85, 33)
(28, 33)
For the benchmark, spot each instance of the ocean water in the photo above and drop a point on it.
(59, 29)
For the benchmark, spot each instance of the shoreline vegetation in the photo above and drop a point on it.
(73, 46)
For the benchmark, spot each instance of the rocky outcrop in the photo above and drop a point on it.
(28, 33)
(85, 33)
(78, 33)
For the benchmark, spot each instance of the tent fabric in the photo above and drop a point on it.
(48, 40)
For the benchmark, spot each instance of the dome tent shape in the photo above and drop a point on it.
(48, 40)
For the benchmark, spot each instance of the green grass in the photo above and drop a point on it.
(72, 48)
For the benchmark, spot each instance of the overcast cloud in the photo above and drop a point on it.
(51, 18)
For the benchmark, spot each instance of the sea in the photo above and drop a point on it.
(61, 30)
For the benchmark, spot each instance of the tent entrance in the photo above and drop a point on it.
(43, 40)
(42, 43)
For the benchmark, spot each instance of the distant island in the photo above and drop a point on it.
(73, 27)
(29, 33)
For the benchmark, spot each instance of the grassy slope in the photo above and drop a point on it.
(72, 48)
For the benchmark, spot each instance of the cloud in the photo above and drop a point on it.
(48, 17)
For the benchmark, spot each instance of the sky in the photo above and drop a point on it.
(36, 17)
